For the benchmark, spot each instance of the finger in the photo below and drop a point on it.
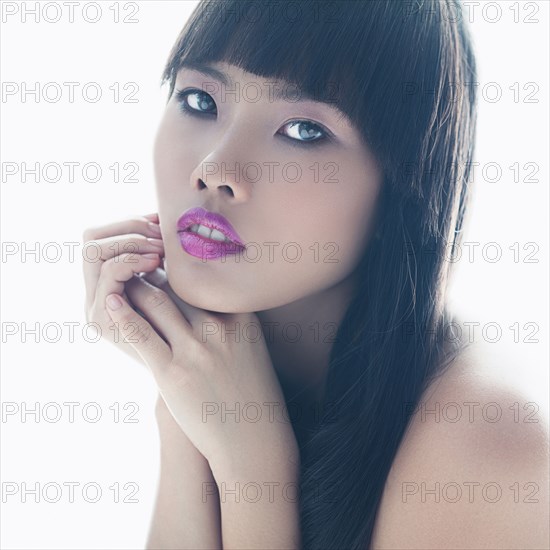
(161, 312)
(117, 271)
(99, 251)
(138, 332)
(157, 277)
(154, 217)
(139, 224)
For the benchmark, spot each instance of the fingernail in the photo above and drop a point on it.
(152, 216)
(155, 228)
(150, 256)
(114, 301)
(156, 242)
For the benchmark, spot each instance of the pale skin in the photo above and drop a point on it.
(181, 294)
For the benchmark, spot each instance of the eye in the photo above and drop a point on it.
(301, 133)
(305, 132)
(195, 102)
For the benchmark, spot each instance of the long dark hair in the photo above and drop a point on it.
(405, 74)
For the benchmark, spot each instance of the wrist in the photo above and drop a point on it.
(173, 441)
(277, 458)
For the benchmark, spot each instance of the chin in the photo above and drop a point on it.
(204, 296)
(218, 296)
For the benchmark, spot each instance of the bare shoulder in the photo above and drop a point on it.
(473, 468)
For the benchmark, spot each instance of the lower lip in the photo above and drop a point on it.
(207, 249)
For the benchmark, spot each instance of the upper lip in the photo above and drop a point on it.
(213, 220)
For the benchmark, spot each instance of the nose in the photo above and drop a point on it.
(220, 173)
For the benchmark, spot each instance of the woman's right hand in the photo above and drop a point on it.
(113, 254)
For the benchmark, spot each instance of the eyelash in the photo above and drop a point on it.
(181, 97)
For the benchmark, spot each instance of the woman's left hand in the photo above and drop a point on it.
(215, 374)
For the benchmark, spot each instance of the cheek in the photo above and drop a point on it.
(335, 219)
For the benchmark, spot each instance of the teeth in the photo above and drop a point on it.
(208, 233)
(204, 231)
(217, 235)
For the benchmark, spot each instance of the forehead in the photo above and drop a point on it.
(225, 73)
(280, 89)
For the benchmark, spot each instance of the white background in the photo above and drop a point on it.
(35, 290)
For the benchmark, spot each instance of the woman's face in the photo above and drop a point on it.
(291, 176)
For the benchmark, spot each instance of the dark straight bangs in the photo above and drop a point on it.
(265, 37)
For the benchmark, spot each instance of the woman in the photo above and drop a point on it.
(312, 174)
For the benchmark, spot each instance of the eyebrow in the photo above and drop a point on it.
(278, 93)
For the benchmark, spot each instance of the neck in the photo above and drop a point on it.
(299, 337)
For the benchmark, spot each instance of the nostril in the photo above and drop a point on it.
(225, 188)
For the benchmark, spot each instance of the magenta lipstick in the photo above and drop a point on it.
(207, 235)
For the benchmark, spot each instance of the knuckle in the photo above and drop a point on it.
(91, 251)
(112, 332)
(156, 299)
(89, 234)
(126, 258)
(136, 331)
(111, 264)
(143, 333)
(131, 243)
(139, 223)
(106, 268)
